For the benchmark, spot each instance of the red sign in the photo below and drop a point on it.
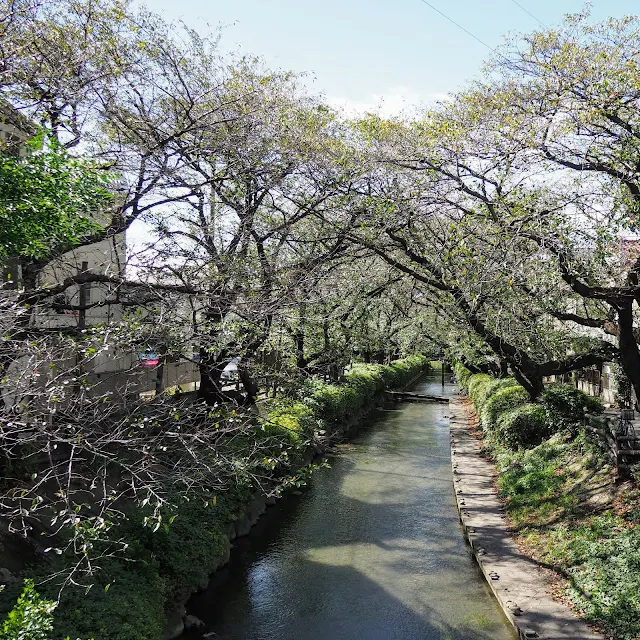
(148, 359)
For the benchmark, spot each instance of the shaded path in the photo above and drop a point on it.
(373, 550)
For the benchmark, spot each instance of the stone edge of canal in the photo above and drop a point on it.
(517, 582)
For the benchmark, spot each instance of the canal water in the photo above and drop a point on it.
(372, 549)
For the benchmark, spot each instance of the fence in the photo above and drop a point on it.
(616, 431)
(593, 381)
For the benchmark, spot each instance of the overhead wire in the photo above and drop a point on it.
(452, 21)
(529, 13)
(475, 37)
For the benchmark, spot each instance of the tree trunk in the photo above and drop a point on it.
(298, 342)
(248, 382)
(162, 360)
(628, 347)
(211, 369)
(249, 354)
(530, 379)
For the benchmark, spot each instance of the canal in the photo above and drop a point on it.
(372, 549)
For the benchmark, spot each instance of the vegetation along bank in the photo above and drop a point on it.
(557, 482)
(284, 239)
(137, 588)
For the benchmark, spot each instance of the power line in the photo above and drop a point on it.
(529, 12)
(452, 21)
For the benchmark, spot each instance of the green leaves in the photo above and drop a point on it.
(48, 200)
(31, 618)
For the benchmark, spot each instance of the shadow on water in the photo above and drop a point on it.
(371, 550)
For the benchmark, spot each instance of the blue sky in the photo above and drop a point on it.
(359, 51)
(366, 55)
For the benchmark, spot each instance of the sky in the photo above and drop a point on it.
(363, 54)
(374, 55)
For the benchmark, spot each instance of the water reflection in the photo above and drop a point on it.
(372, 550)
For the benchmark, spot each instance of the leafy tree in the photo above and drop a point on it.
(292, 242)
(577, 96)
(49, 202)
(445, 219)
(31, 618)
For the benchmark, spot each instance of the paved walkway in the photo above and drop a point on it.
(521, 587)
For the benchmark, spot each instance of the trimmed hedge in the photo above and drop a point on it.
(598, 551)
(565, 406)
(289, 417)
(481, 387)
(331, 404)
(504, 399)
(506, 414)
(478, 384)
(523, 427)
(462, 374)
(487, 391)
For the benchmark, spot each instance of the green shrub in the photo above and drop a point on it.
(401, 372)
(482, 391)
(486, 391)
(336, 403)
(200, 528)
(523, 427)
(126, 602)
(128, 599)
(369, 379)
(565, 406)
(292, 418)
(31, 618)
(504, 399)
(462, 374)
(478, 383)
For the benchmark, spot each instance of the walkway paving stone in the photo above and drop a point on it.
(520, 585)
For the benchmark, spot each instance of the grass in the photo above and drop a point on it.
(562, 502)
(567, 513)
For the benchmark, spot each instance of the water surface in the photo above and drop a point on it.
(372, 550)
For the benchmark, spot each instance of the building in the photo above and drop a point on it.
(88, 305)
(15, 130)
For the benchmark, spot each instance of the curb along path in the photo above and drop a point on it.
(520, 586)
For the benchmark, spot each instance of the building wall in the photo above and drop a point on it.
(106, 257)
(592, 382)
(15, 130)
(116, 372)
